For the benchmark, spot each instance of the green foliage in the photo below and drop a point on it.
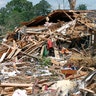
(42, 8)
(19, 6)
(2, 15)
(82, 7)
(17, 11)
(45, 61)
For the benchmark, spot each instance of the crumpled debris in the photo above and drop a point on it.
(65, 86)
(5, 72)
(42, 73)
(19, 92)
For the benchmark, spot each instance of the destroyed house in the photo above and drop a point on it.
(68, 28)
(73, 27)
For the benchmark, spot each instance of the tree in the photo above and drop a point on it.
(19, 5)
(72, 4)
(82, 7)
(42, 8)
(2, 15)
(16, 11)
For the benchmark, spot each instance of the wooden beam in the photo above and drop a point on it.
(56, 53)
(88, 90)
(68, 16)
(15, 85)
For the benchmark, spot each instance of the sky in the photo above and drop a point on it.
(91, 4)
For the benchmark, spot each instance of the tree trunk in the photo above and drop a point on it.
(72, 4)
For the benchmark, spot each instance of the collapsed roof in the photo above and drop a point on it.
(62, 15)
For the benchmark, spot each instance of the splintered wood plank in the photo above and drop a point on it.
(33, 50)
(34, 47)
(4, 55)
(56, 53)
(14, 48)
(77, 75)
(69, 71)
(86, 24)
(88, 90)
(55, 62)
(14, 44)
(15, 85)
(29, 48)
(27, 45)
(42, 50)
(17, 51)
(11, 53)
(68, 15)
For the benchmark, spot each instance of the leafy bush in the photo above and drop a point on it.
(44, 61)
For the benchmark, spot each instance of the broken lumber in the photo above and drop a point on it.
(15, 85)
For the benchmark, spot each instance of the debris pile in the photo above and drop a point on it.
(50, 56)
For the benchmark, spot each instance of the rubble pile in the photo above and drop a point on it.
(50, 56)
